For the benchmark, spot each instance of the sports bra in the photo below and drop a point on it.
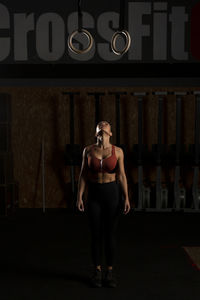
(105, 165)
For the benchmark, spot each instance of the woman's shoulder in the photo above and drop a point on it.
(88, 147)
(118, 151)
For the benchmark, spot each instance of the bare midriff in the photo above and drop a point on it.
(101, 177)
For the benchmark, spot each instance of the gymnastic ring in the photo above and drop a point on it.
(77, 51)
(127, 45)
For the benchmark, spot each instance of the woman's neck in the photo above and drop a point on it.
(104, 144)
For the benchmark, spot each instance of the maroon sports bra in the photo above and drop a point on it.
(105, 165)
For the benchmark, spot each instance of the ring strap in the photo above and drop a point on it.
(122, 15)
(80, 16)
(121, 30)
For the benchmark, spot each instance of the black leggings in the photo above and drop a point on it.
(104, 209)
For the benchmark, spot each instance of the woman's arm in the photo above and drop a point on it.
(83, 176)
(122, 179)
(121, 174)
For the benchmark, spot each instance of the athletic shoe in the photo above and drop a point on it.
(109, 279)
(96, 279)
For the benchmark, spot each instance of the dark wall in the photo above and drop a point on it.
(44, 110)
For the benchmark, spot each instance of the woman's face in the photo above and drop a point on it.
(103, 127)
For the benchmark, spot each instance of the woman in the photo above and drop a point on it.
(101, 163)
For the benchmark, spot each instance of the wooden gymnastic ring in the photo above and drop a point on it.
(77, 51)
(127, 45)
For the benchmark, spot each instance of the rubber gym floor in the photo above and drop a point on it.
(47, 256)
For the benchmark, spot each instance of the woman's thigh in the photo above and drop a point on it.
(111, 205)
(104, 201)
(94, 210)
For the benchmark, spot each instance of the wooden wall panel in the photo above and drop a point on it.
(44, 110)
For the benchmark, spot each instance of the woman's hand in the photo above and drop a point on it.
(80, 204)
(127, 206)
